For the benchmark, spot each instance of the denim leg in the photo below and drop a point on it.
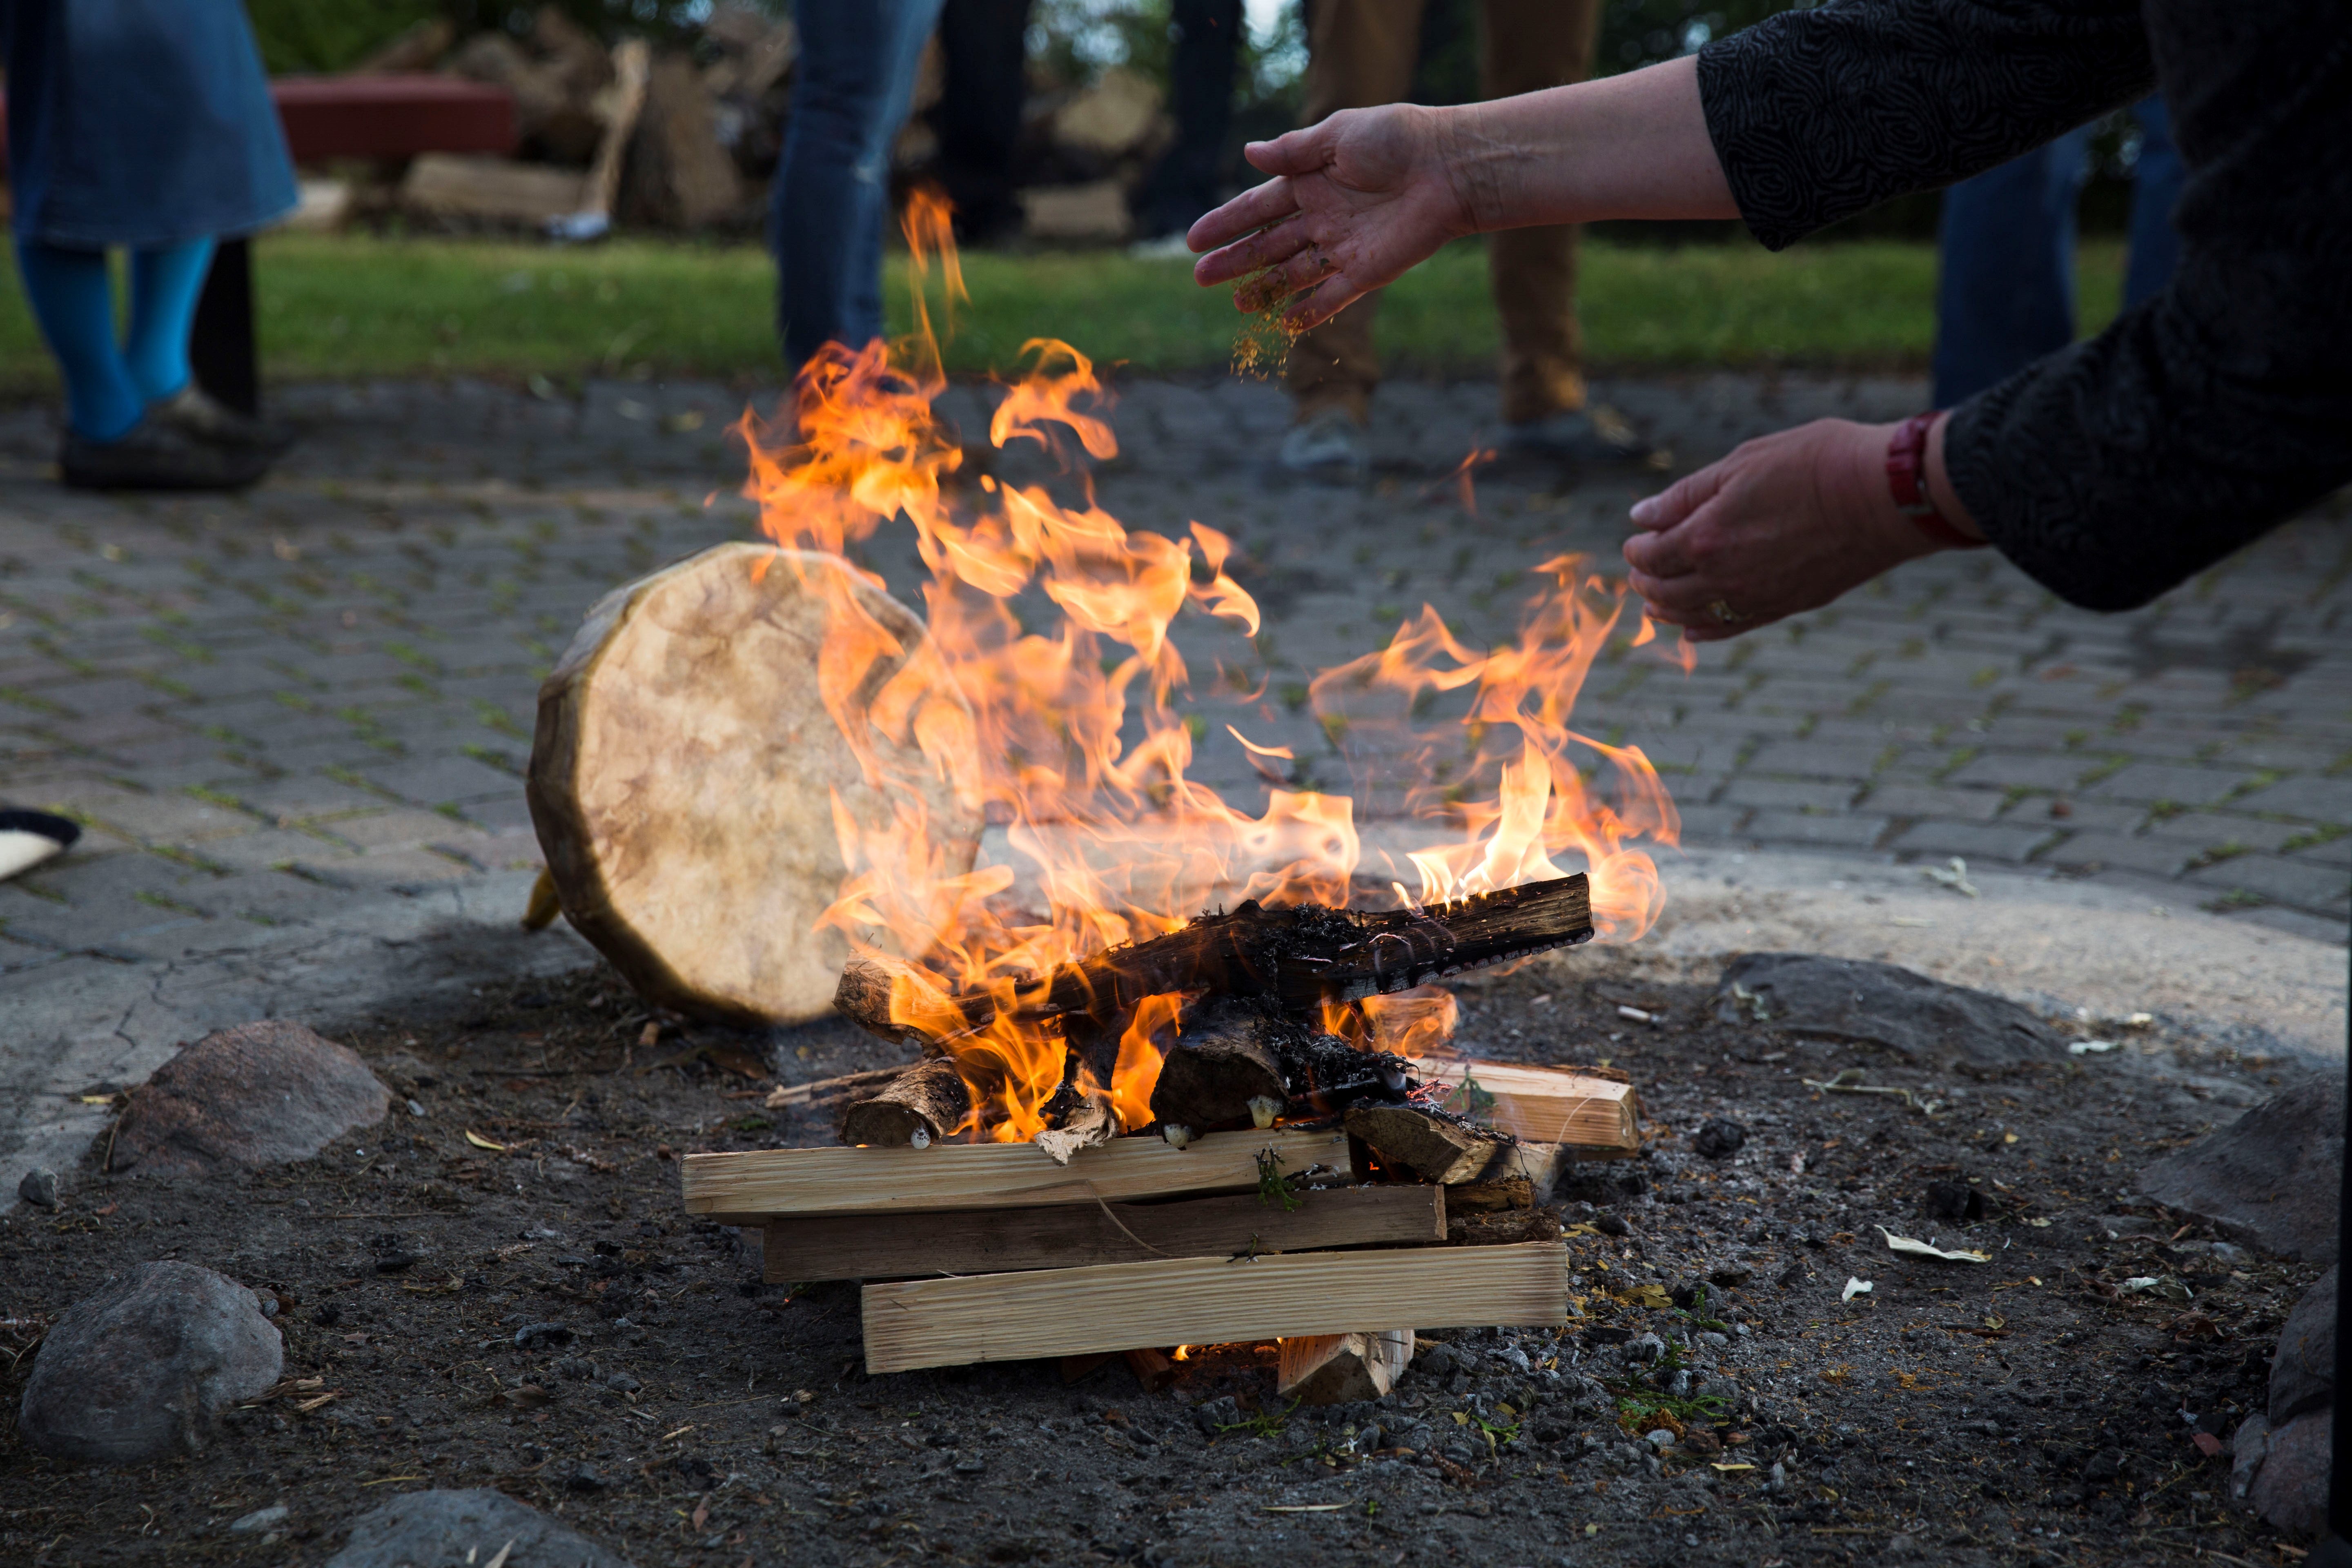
(2005, 291)
(832, 191)
(2156, 191)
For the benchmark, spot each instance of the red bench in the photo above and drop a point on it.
(374, 117)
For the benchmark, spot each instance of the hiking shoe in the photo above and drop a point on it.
(199, 414)
(157, 456)
(1580, 436)
(1329, 447)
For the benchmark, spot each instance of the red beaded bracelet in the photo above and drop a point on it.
(1906, 475)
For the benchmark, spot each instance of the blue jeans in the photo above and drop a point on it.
(832, 192)
(2005, 294)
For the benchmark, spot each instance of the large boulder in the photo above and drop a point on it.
(452, 1527)
(254, 1095)
(2268, 1179)
(143, 1369)
(1853, 1000)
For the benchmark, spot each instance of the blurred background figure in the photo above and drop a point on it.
(2005, 291)
(1190, 177)
(984, 45)
(147, 125)
(1363, 52)
(832, 192)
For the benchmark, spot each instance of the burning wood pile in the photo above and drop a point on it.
(1231, 1150)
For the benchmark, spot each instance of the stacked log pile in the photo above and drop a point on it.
(687, 136)
(1287, 1184)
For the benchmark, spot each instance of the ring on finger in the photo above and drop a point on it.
(1723, 612)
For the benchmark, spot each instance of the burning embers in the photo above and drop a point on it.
(1220, 1025)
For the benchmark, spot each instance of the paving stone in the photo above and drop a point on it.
(1928, 800)
(1971, 840)
(492, 520)
(2208, 830)
(2280, 879)
(2313, 799)
(2158, 856)
(2158, 781)
(1788, 795)
(1844, 832)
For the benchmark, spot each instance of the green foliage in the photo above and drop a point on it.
(1265, 1424)
(299, 36)
(1275, 1189)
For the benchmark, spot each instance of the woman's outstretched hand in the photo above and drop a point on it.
(1355, 201)
(1785, 524)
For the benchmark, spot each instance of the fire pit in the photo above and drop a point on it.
(756, 769)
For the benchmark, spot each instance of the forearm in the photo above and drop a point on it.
(1630, 147)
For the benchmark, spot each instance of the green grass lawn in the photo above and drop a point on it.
(355, 306)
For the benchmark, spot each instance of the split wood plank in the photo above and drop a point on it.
(755, 1187)
(806, 1249)
(1071, 1312)
(1548, 1105)
(1341, 1369)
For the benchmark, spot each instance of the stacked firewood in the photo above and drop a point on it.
(1287, 1184)
(685, 135)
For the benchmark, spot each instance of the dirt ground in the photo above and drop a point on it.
(542, 1318)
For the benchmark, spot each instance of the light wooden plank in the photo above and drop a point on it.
(1549, 1105)
(804, 1248)
(758, 1185)
(1071, 1312)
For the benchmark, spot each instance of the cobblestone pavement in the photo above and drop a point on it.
(272, 709)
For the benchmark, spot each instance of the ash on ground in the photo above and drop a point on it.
(496, 1287)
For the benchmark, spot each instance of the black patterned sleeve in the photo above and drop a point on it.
(1819, 114)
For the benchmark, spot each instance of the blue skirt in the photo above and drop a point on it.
(138, 123)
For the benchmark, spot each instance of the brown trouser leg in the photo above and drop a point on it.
(1360, 53)
(1526, 45)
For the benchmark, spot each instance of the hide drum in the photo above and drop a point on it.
(685, 773)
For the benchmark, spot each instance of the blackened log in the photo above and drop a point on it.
(1222, 1071)
(922, 1106)
(1295, 959)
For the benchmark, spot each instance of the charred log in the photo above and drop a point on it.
(922, 1106)
(1292, 959)
(1223, 1071)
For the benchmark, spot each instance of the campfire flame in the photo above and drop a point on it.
(1081, 723)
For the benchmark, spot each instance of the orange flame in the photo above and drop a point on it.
(1077, 743)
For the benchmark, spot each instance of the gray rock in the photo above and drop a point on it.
(143, 1368)
(1854, 1001)
(442, 1526)
(2268, 1179)
(254, 1095)
(2291, 1489)
(39, 1187)
(2248, 1448)
(259, 1519)
(2303, 1369)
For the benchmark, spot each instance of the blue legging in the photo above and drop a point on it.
(108, 385)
